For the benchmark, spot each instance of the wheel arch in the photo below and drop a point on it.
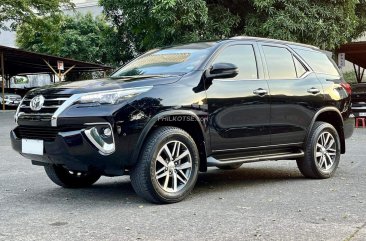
(192, 125)
(334, 117)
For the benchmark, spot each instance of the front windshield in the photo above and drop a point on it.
(171, 61)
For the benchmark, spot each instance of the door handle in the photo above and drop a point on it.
(260, 92)
(313, 90)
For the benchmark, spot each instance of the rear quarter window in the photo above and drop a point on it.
(318, 61)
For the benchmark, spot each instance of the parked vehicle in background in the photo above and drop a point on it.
(359, 99)
(30, 81)
(175, 111)
(11, 100)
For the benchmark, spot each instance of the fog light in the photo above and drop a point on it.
(101, 138)
(107, 132)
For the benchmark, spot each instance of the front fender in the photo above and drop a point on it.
(161, 116)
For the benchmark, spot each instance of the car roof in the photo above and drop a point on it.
(213, 44)
(268, 40)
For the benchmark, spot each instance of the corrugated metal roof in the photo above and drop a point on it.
(19, 61)
(355, 52)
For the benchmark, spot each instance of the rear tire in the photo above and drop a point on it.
(322, 152)
(167, 169)
(70, 179)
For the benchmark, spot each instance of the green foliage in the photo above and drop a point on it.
(140, 25)
(26, 11)
(82, 37)
(350, 77)
(145, 24)
(40, 37)
(221, 22)
(21, 80)
(361, 15)
(322, 23)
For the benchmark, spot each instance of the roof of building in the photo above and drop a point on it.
(355, 52)
(18, 61)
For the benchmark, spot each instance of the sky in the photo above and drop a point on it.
(84, 1)
(80, 1)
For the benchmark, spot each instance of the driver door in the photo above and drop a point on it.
(239, 107)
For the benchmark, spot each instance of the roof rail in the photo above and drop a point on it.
(272, 40)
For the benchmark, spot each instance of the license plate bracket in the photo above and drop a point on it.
(30, 146)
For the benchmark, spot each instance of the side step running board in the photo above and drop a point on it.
(211, 161)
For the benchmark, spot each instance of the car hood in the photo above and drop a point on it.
(86, 86)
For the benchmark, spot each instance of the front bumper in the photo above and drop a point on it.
(359, 109)
(74, 151)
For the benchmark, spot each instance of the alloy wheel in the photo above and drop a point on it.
(173, 166)
(325, 151)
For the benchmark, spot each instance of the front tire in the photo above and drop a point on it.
(70, 179)
(167, 169)
(322, 152)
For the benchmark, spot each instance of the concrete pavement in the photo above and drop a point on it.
(259, 201)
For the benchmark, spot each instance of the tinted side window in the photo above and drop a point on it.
(279, 63)
(243, 57)
(300, 69)
(318, 61)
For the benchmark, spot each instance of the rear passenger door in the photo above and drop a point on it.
(295, 94)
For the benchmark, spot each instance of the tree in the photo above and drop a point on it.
(81, 37)
(140, 25)
(326, 24)
(14, 12)
(145, 24)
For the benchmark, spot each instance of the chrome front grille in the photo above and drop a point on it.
(50, 106)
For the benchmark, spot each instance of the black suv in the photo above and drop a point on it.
(175, 111)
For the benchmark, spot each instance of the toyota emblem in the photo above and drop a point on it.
(37, 103)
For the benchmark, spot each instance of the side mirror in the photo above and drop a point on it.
(222, 71)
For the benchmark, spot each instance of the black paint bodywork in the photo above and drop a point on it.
(232, 121)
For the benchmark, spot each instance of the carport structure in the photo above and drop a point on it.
(355, 53)
(16, 61)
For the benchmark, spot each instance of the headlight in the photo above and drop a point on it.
(112, 96)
